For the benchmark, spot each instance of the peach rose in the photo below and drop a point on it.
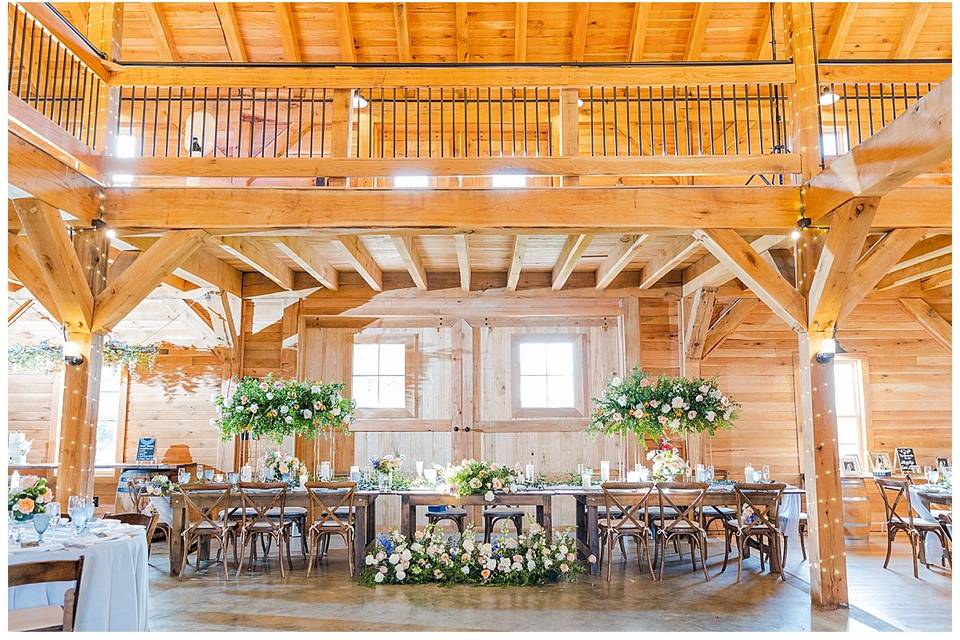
(25, 505)
(485, 574)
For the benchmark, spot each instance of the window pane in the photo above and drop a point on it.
(533, 391)
(848, 432)
(846, 388)
(365, 391)
(560, 358)
(392, 359)
(533, 358)
(560, 391)
(393, 392)
(108, 413)
(365, 359)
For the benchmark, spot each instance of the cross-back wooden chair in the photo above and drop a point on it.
(262, 507)
(332, 513)
(50, 617)
(208, 523)
(625, 516)
(146, 520)
(757, 518)
(141, 503)
(685, 501)
(899, 513)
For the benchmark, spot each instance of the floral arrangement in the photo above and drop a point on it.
(527, 559)
(480, 477)
(24, 503)
(398, 482)
(48, 356)
(280, 408)
(159, 485)
(646, 406)
(387, 463)
(282, 464)
(667, 463)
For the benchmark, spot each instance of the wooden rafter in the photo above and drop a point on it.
(463, 259)
(708, 271)
(120, 297)
(638, 31)
(698, 29)
(937, 281)
(361, 260)
(927, 249)
(928, 318)
(403, 31)
(200, 268)
(618, 259)
(917, 272)
(755, 272)
(19, 311)
(231, 31)
(911, 29)
(573, 250)
(160, 30)
(516, 261)
(262, 256)
(348, 46)
(299, 250)
(23, 263)
(462, 35)
(668, 259)
(727, 323)
(698, 324)
(843, 17)
(412, 259)
(288, 31)
(520, 33)
(578, 39)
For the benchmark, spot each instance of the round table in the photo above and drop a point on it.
(113, 592)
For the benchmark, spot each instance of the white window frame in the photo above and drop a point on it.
(578, 410)
(862, 385)
(409, 410)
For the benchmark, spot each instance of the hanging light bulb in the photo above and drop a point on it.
(827, 96)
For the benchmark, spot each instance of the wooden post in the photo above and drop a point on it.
(804, 94)
(695, 325)
(341, 130)
(105, 30)
(569, 129)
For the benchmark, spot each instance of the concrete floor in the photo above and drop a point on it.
(330, 601)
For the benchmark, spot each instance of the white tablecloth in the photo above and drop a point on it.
(932, 546)
(113, 590)
(790, 516)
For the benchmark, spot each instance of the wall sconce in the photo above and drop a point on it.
(828, 349)
(72, 354)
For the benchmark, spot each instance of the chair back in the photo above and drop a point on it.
(51, 571)
(216, 514)
(895, 492)
(686, 499)
(758, 506)
(257, 498)
(146, 520)
(138, 493)
(630, 500)
(328, 497)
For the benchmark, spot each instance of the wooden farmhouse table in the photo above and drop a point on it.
(410, 500)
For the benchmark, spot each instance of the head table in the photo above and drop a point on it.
(588, 502)
(113, 588)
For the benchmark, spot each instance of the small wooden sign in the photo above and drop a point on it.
(906, 459)
(146, 449)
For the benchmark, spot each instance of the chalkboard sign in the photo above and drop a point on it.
(906, 459)
(146, 449)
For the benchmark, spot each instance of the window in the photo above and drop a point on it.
(108, 415)
(547, 380)
(851, 414)
(379, 375)
(509, 181)
(411, 182)
(834, 142)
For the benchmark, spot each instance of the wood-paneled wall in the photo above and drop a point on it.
(33, 408)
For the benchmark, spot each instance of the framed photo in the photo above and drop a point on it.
(943, 462)
(880, 461)
(850, 465)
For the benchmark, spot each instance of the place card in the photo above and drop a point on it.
(29, 545)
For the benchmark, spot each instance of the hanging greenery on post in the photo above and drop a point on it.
(280, 408)
(646, 406)
(48, 356)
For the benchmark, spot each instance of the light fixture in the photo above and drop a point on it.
(827, 96)
(795, 234)
(72, 354)
(579, 103)
(196, 151)
(829, 348)
(111, 234)
(358, 101)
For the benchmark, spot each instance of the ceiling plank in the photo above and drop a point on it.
(927, 249)
(160, 30)
(463, 259)
(760, 277)
(361, 260)
(403, 31)
(698, 29)
(618, 259)
(762, 50)
(708, 271)
(932, 322)
(918, 271)
(638, 31)
(843, 17)
(911, 29)
(516, 261)
(573, 250)
(698, 324)
(231, 31)
(122, 295)
(937, 281)
(260, 254)
(578, 40)
(298, 249)
(288, 31)
(668, 259)
(348, 46)
(23, 263)
(520, 33)
(411, 259)
(727, 323)
(462, 35)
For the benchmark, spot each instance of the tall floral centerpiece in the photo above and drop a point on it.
(385, 466)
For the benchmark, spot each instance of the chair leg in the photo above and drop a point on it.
(313, 550)
(243, 548)
(726, 550)
(663, 555)
(693, 557)
(487, 529)
(286, 539)
(916, 553)
(223, 551)
(609, 555)
(623, 548)
(348, 540)
(183, 558)
(890, 535)
(283, 573)
(740, 544)
(702, 543)
(646, 549)
(518, 523)
(803, 544)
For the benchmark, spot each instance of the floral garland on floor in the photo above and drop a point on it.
(280, 408)
(24, 503)
(476, 477)
(431, 557)
(649, 407)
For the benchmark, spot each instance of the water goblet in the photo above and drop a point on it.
(765, 473)
(710, 473)
(208, 475)
(40, 523)
(54, 510)
(233, 478)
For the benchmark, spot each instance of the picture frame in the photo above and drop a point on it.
(943, 462)
(850, 465)
(880, 461)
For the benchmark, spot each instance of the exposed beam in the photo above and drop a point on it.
(573, 250)
(843, 16)
(928, 318)
(462, 36)
(937, 281)
(727, 323)
(520, 33)
(301, 252)
(19, 311)
(618, 259)
(200, 268)
(578, 37)
(361, 260)
(708, 271)
(160, 31)
(411, 259)
(516, 261)
(755, 272)
(260, 255)
(122, 295)
(911, 29)
(927, 249)
(916, 272)
(23, 263)
(698, 324)
(892, 71)
(403, 31)
(916, 141)
(45, 15)
(231, 31)
(59, 264)
(288, 31)
(463, 259)
(638, 31)
(348, 47)
(668, 259)
(698, 29)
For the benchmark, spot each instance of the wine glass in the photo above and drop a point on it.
(54, 510)
(199, 472)
(40, 523)
(765, 473)
(208, 475)
(78, 513)
(709, 477)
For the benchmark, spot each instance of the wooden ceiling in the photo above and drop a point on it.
(505, 32)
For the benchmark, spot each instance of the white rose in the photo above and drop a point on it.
(284, 408)
(677, 402)
(269, 396)
(468, 544)
(665, 408)
(378, 577)
(369, 560)
(315, 389)
(263, 386)
(394, 558)
(491, 564)
(335, 411)
(704, 388)
(401, 575)
(547, 562)
(416, 546)
(405, 555)
(307, 414)
(488, 496)
(691, 415)
(288, 419)
(622, 400)
(531, 565)
(711, 416)
(254, 407)
(654, 403)
(465, 570)
(699, 397)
